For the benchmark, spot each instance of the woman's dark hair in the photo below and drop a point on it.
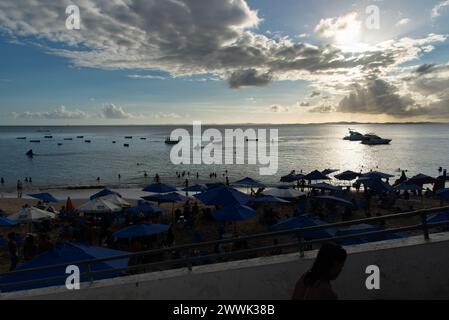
(328, 255)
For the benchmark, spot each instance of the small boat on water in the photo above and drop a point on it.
(21, 138)
(354, 136)
(59, 144)
(80, 137)
(143, 138)
(87, 141)
(48, 137)
(114, 141)
(126, 145)
(35, 141)
(169, 141)
(373, 139)
(68, 139)
(30, 153)
(128, 137)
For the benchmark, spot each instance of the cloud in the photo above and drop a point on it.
(112, 111)
(278, 108)
(436, 11)
(304, 104)
(322, 109)
(147, 77)
(339, 28)
(378, 97)
(248, 78)
(186, 38)
(315, 93)
(403, 22)
(59, 113)
(167, 115)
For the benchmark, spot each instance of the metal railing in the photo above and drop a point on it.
(190, 259)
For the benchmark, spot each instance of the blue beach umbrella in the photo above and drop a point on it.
(376, 175)
(268, 199)
(316, 175)
(223, 196)
(406, 186)
(214, 185)
(5, 222)
(304, 221)
(421, 179)
(323, 186)
(375, 184)
(329, 171)
(166, 198)
(159, 188)
(141, 230)
(249, 182)
(103, 193)
(292, 177)
(66, 253)
(147, 208)
(347, 175)
(45, 197)
(195, 188)
(234, 212)
(335, 200)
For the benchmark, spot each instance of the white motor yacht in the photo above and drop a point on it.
(354, 136)
(373, 139)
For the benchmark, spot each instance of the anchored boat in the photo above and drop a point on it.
(169, 141)
(373, 139)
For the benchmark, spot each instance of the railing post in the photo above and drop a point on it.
(89, 273)
(424, 226)
(301, 246)
(189, 261)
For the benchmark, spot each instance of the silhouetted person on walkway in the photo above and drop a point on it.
(316, 283)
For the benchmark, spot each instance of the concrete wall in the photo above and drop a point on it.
(410, 269)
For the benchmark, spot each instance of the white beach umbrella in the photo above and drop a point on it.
(99, 206)
(283, 193)
(29, 214)
(115, 199)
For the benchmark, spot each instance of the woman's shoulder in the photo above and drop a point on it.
(321, 290)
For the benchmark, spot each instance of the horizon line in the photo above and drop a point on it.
(230, 124)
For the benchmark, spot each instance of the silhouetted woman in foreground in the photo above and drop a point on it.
(316, 283)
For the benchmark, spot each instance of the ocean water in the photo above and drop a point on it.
(415, 148)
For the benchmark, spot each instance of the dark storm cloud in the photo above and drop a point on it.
(248, 78)
(377, 97)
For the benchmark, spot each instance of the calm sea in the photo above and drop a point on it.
(415, 147)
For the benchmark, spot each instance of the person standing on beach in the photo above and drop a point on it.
(316, 283)
(19, 189)
(13, 250)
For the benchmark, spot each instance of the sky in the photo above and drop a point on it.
(223, 61)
